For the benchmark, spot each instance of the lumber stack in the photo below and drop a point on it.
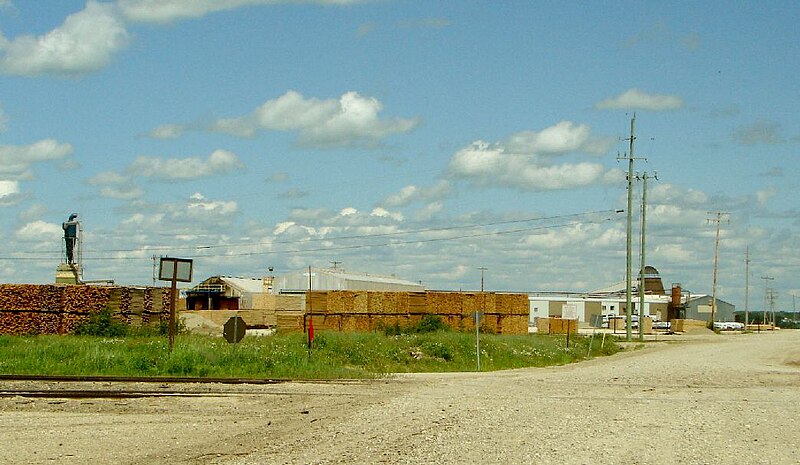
(371, 310)
(60, 308)
(556, 326)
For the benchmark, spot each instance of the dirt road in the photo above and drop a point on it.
(707, 400)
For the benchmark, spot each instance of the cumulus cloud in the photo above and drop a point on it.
(167, 131)
(635, 99)
(352, 120)
(85, 42)
(527, 161)
(164, 11)
(383, 213)
(760, 132)
(38, 231)
(563, 137)
(671, 194)
(413, 193)
(16, 160)
(219, 162)
(9, 193)
(8, 188)
(199, 205)
(88, 40)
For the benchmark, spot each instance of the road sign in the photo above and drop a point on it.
(234, 329)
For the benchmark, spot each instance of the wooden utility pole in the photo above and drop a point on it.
(629, 254)
(642, 253)
(716, 219)
(477, 324)
(766, 291)
(747, 288)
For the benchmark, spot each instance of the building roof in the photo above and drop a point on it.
(249, 285)
(339, 279)
(237, 284)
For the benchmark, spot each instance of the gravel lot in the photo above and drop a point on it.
(706, 399)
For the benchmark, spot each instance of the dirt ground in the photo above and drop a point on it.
(708, 399)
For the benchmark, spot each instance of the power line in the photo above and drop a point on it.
(345, 247)
(320, 239)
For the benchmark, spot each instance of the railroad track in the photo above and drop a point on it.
(120, 386)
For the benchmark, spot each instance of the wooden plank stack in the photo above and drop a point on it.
(371, 310)
(60, 308)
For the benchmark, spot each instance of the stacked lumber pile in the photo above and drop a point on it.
(60, 308)
(556, 326)
(371, 310)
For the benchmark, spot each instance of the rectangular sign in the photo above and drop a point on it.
(569, 312)
(179, 269)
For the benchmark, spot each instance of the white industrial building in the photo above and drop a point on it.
(589, 307)
(337, 279)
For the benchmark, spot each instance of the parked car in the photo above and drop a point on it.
(728, 325)
(661, 325)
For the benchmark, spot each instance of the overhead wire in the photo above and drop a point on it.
(52, 254)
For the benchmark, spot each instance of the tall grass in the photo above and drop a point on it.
(335, 355)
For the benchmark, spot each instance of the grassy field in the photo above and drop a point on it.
(335, 355)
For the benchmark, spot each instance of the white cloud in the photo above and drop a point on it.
(38, 231)
(167, 131)
(9, 193)
(8, 188)
(352, 120)
(349, 211)
(85, 42)
(106, 178)
(527, 160)
(670, 194)
(17, 159)
(116, 186)
(122, 192)
(560, 138)
(428, 211)
(635, 99)
(219, 162)
(198, 204)
(412, 193)
(383, 213)
(764, 195)
(163, 11)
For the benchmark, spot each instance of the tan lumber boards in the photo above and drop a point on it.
(503, 313)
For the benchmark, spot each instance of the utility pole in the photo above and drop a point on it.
(642, 253)
(477, 323)
(772, 298)
(766, 280)
(628, 228)
(717, 219)
(747, 288)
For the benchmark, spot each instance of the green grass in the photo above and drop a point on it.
(335, 355)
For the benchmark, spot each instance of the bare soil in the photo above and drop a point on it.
(707, 399)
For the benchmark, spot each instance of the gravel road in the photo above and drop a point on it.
(706, 399)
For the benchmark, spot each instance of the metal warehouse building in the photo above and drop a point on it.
(335, 279)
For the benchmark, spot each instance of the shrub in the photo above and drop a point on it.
(429, 323)
(103, 324)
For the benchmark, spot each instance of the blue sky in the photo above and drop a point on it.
(420, 139)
